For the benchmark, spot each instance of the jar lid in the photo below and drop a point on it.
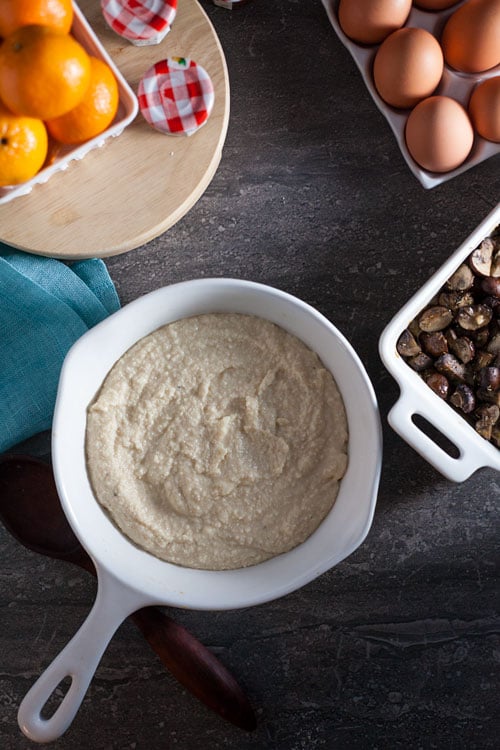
(141, 22)
(176, 96)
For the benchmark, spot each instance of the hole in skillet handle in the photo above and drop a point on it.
(56, 698)
(442, 441)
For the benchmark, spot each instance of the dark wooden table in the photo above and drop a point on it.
(398, 646)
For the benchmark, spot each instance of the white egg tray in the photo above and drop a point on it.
(454, 84)
(416, 398)
(127, 110)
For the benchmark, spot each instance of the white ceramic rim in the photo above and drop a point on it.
(343, 530)
(417, 398)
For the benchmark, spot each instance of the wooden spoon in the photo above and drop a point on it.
(31, 512)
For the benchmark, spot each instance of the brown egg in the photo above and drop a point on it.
(407, 67)
(435, 4)
(484, 109)
(439, 134)
(471, 36)
(370, 21)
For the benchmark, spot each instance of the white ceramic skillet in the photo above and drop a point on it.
(417, 398)
(128, 577)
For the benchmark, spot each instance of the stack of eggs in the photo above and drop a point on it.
(410, 63)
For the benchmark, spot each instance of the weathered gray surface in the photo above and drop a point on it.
(397, 647)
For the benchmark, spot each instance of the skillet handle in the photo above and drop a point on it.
(79, 661)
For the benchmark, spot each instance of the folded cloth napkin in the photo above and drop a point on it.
(45, 305)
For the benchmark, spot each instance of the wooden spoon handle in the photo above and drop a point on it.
(195, 667)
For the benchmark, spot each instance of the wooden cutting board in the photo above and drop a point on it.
(139, 184)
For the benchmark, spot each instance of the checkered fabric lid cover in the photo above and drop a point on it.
(139, 20)
(176, 96)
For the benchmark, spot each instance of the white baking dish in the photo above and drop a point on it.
(417, 398)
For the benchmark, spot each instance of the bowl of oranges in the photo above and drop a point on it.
(60, 93)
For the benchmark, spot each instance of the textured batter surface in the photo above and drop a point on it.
(217, 441)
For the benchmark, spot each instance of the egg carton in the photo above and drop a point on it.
(127, 110)
(454, 84)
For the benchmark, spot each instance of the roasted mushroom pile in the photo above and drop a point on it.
(454, 343)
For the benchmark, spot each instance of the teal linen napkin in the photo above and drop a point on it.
(45, 306)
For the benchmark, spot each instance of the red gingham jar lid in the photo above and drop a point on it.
(142, 22)
(176, 96)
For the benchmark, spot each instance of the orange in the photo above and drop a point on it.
(94, 113)
(15, 13)
(43, 72)
(23, 147)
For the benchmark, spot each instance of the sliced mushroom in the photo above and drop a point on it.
(463, 398)
(472, 317)
(491, 285)
(449, 365)
(483, 359)
(486, 416)
(461, 280)
(438, 383)
(493, 344)
(493, 302)
(462, 346)
(407, 344)
(489, 397)
(414, 328)
(454, 300)
(420, 362)
(488, 378)
(480, 259)
(435, 318)
(488, 412)
(480, 337)
(434, 344)
(485, 429)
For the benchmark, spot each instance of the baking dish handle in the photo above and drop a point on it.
(457, 469)
(78, 660)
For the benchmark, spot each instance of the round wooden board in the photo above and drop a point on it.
(139, 184)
